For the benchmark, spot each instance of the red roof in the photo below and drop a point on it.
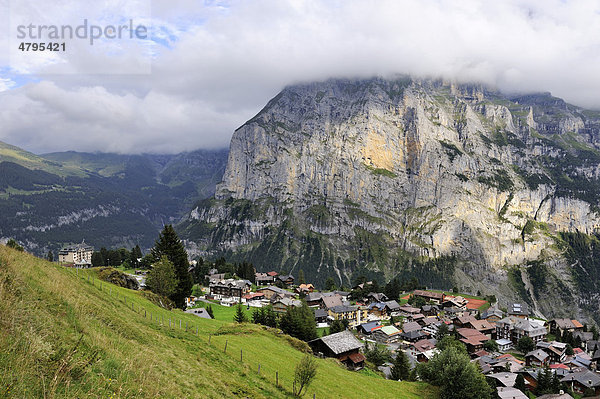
(357, 357)
(253, 295)
(272, 274)
(511, 357)
(577, 324)
(481, 353)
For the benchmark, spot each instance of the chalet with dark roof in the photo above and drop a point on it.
(342, 346)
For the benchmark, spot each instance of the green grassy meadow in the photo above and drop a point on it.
(64, 337)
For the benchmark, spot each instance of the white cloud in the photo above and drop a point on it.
(219, 62)
(6, 84)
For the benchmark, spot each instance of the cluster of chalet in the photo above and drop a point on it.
(416, 331)
(376, 318)
(415, 335)
(76, 255)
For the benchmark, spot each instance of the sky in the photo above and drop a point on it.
(206, 66)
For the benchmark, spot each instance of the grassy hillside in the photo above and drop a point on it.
(10, 153)
(64, 336)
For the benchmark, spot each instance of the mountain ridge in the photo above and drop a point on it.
(407, 177)
(107, 199)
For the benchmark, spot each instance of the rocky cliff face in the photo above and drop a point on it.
(454, 184)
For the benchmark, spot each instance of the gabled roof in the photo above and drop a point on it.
(423, 345)
(376, 305)
(392, 305)
(75, 247)
(493, 311)
(510, 393)
(564, 324)
(343, 309)
(285, 277)
(587, 378)
(505, 378)
(272, 274)
(286, 301)
(411, 326)
(466, 319)
(276, 290)
(341, 342)
(409, 309)
(378, 296)
(332, 301)
(357, 358)
(321, 313)
(538, 354)
(314, 296)
(413, 334)
(481, 325)
(556, 396)
(368, 327)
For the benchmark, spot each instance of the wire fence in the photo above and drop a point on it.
(265, 371)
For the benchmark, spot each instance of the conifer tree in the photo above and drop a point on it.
(240, 316)
(169, 245)
(401, 367)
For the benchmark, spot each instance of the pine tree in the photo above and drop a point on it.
(136, 253)
(330, 284)
(520, 383)
(401, 367)
(300, 276)
(240, 316)
(169, 245)
(336, 326)
(50, 256)
(209, 310)
(555, 384)
(594, 331)
(97, 259)
(544, 382)
(442, 331)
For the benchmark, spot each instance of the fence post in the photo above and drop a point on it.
(186, 326)
(225, 350)
(180, 324)
(241, 356)
(144, 313)
(258, 368)
(277, 378)
(209, 338)
(169, 323)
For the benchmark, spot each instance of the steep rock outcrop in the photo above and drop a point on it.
(376, 176)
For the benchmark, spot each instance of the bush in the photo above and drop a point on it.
(457, 377)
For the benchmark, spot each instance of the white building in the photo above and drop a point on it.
(80, 255)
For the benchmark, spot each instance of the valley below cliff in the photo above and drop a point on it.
(455, 184)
